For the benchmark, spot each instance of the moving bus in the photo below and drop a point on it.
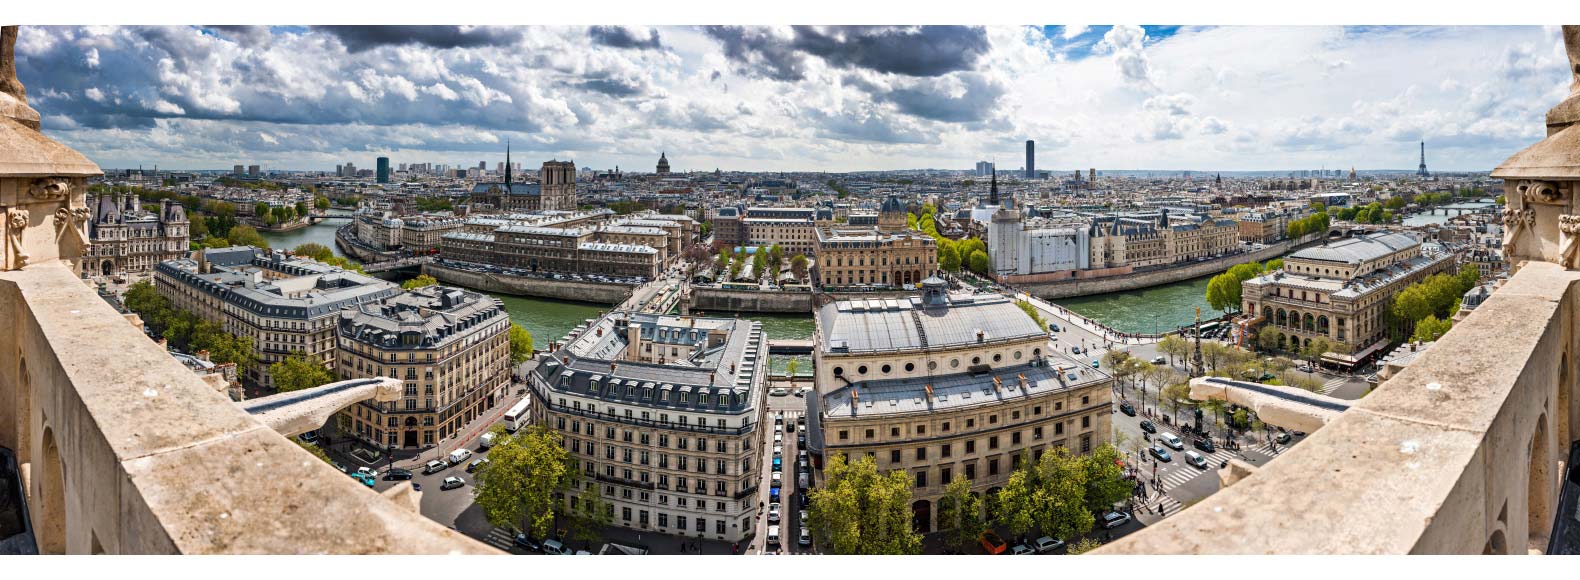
(516, 417)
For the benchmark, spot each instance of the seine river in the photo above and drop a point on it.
(548, 320)
(1148, 310)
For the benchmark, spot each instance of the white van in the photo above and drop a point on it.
(773, 535)
(1172, 440)
(1196, 459)
(487, 440)
(460, 456)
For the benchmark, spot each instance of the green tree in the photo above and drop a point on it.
(420, 281)
(315, 251)
(948, 257)
(1105, 478)
(1223, 292)
(1431, 328)
(296, 372)
(1031, 311)
(960, 514)
(245, 235)
(1275, 264)
(1048, 496)
(1267, 338)
(758, 264)
(321, 202)
(798, 266)
(520, 344)
(516, 487)
(979, 262)
(1174, 346)
(859, 511)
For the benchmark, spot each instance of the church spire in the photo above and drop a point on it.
(993, 189)
(507, 166)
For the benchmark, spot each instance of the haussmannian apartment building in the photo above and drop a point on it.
(1341, 291)
(450, 346)
(662, 415)
(285, 304)
(947, 386)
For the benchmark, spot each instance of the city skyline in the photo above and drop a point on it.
(1116, 98)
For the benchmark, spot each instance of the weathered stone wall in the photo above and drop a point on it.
(719, 300)
(1135, 281)
(538, 287)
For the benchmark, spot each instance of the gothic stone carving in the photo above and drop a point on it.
(16, 223)
(1569, 241)
(49, 188)
(1515, 222)
(76, 219)
(1541, 192)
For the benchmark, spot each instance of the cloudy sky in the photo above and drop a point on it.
(796, 98)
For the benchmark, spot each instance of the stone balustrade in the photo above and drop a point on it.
(1460, 453)
(122, 449)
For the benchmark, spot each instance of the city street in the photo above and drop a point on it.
(793, 408)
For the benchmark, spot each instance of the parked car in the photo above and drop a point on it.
(486, 441)
(778, 480)
(1172, 440)
(1021, 550)
(434, 466)
(1047, 544)
(452, 482)
(805, 539)
(991, 542)
(1113, 520)
(1148, 426)
(1204, 444)
(779, 464)
(308, 437)
(773, 535)
(773, 513)
(1127, 409)
(397, 474)
(472, 467)
(526, 542)
(1160, 453)
(778, 392)
(557, 548)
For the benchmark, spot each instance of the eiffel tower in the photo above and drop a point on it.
(1422, 171)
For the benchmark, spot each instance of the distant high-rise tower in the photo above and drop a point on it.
(1422, 171)
(383, 170)
(238, 170)
(1031, 159)
(253, 170)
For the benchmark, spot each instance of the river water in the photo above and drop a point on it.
(1442, 215)
(548, 320)
(1153, 309)
(1148, 310)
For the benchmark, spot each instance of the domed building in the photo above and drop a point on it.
(663, 164)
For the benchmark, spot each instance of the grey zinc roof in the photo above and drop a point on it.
(1359, 249)
(889, 324)
(898, 396)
